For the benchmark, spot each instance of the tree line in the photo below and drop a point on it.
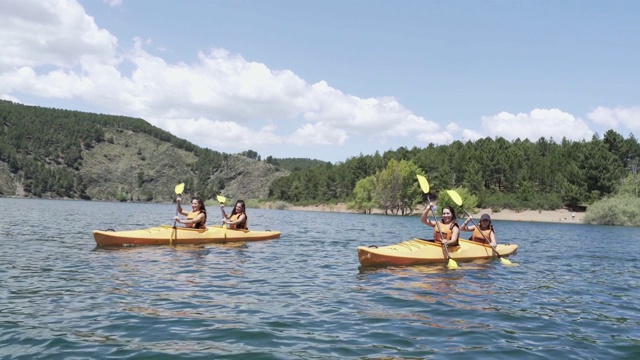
(544, 174)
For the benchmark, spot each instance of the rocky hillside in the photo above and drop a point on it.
(123, 159)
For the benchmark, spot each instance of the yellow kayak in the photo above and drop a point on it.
(418, 251)
(169, 235)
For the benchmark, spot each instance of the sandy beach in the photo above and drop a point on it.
(561, 215)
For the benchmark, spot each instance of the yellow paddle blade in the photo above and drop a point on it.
(221, 199)
(179, 188)
(452, 264)
(424, 185)
(455, 197)
(505, 261)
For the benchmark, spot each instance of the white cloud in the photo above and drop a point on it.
(221, 134)
(69, 57)
(548, 123)
(441, 137)
(45, 33)
(470, 135)
(318, 134)
(629, 117)
(9, 98)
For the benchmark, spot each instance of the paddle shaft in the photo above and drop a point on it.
(178, 190)
(177, 211)
(224, 226)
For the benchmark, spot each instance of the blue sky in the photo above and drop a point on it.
(331, 79)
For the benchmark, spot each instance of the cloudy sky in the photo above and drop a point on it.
(331, 79)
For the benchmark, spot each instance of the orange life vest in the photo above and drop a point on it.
(477, 235)
(199, 225)
(447, 232)
(242, 225)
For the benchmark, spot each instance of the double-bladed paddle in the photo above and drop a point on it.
(458, 200)
(424, 185)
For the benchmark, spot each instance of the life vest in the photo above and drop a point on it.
(242, 225)
(199, 225)
(477, 235)
(447, 232)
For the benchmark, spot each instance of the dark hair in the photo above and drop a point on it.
(241, 202)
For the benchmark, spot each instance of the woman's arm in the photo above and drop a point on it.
(492, 238)
(425, 219)
(224, 213)
(455, 234)
(464, 226)
(180, 211)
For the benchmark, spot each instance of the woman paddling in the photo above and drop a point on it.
(445, 232)
(238, 218)
(482, 232)
(197, 217)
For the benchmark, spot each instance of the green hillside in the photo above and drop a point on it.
(70, 154)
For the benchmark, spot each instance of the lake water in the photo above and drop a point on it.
(574, 294)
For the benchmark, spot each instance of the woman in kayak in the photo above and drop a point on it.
(238, 218)
(482, 232)
(448, 227)
(197, 217)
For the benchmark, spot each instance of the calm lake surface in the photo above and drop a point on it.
(574, 294)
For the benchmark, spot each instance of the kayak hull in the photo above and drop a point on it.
(168, 235)
(418, 251)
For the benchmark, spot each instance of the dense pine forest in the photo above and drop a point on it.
(495, 173)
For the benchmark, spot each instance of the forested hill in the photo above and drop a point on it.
(70, 154)
(542, 174)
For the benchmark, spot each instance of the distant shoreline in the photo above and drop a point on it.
(553, 216)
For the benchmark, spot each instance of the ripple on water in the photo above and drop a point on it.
(304, 296)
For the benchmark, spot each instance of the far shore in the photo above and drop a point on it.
(560, 215)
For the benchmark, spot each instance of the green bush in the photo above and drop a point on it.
(122, 197)
(618, 210)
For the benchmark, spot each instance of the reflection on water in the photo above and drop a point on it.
(304, 295)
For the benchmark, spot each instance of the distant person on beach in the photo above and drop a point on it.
(573, 215)
(482, 232)
(238, 218)
(447, 227)
(197, 217)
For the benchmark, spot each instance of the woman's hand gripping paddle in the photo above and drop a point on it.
(424, 185)
(221, 199)
(458, 200)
